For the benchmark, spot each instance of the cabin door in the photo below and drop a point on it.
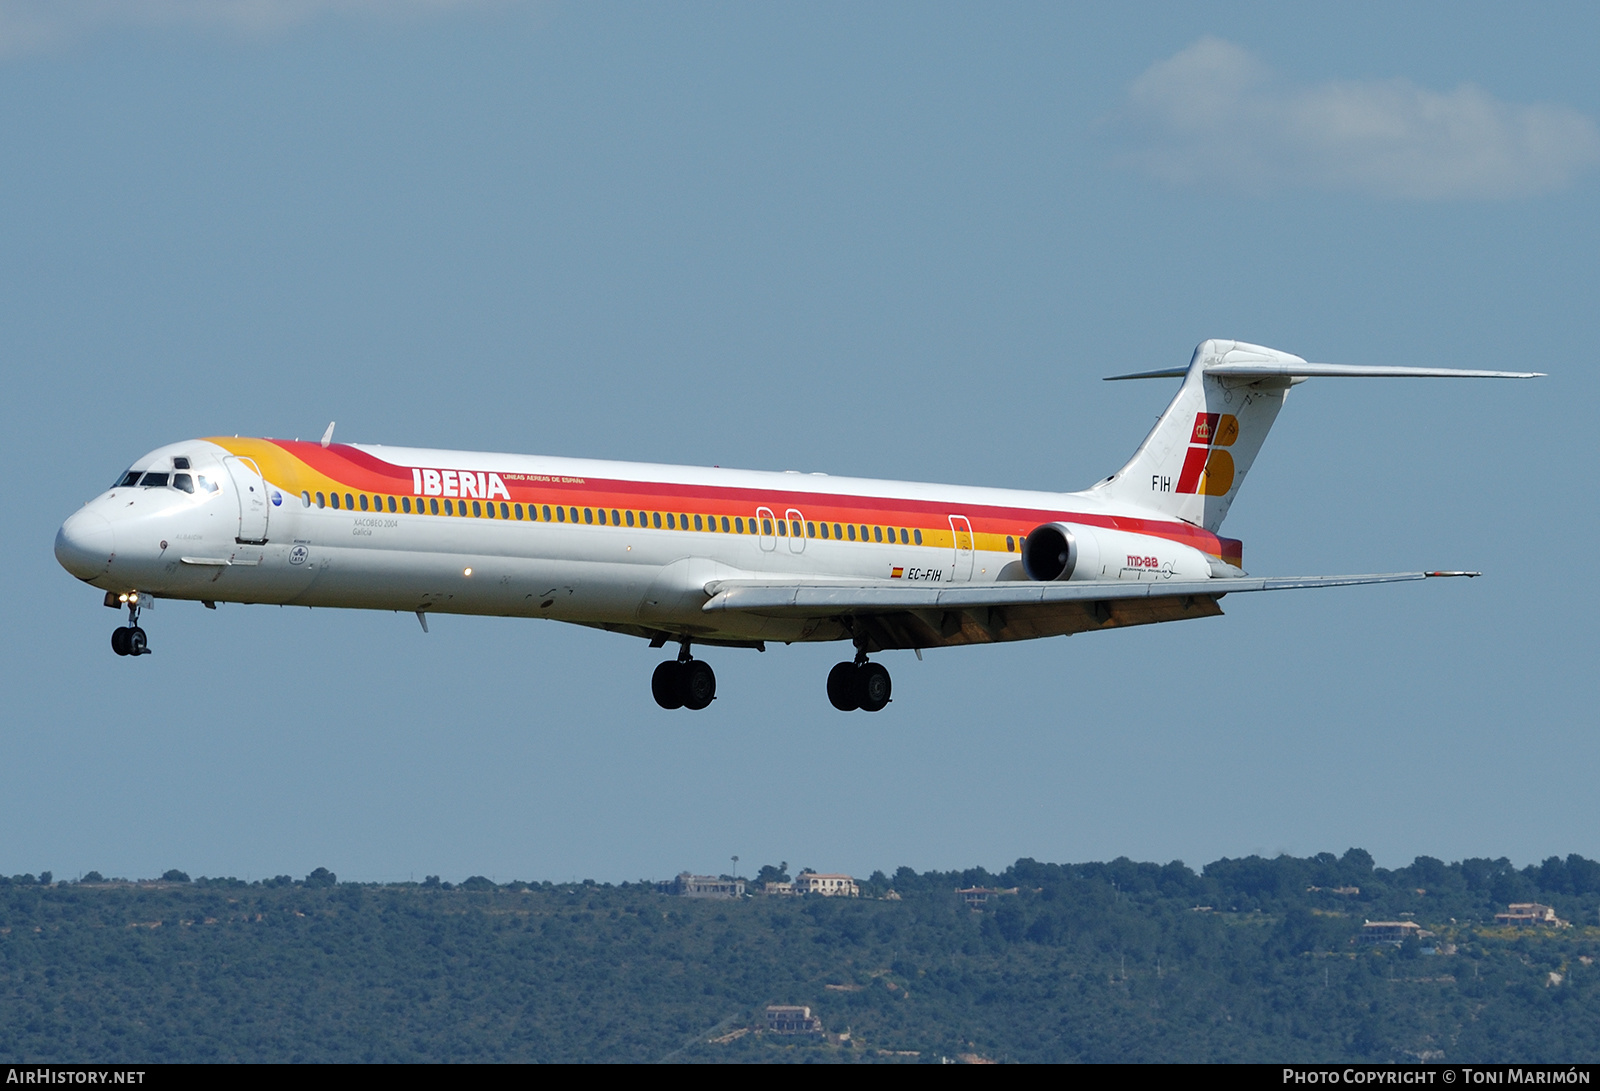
(251, 489)
(961, 533)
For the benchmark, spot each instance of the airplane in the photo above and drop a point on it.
(709, 556)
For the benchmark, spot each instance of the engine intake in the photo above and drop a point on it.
(1050, 552)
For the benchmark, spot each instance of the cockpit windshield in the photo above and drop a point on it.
(162, 479)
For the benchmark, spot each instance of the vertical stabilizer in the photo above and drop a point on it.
(1195, 459)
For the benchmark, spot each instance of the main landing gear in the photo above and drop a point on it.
(684, 682)
(859, 684)
(130, 640)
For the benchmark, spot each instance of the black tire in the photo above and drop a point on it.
(664, 684)
(697, 684)
(842, 692)
(137, 644)
(872, 685)
(119, 641)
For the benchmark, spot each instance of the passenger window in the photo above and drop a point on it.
(698, 523)
(505, 511)
(184, 482)
(905, 539)
(1011, 544)
(852, 532)
(656, 519)
(683, 522)
(561, 515)
(837, 533)
(766, 526)
(180, 463)
(824, 529)
(783, 528)
(671, 523)
(588, 515)
(363, 501)
(449, 507)
(738, 524)
(391, 503)
(724, 524)
(616, 518)
(877, 534)
(320, 501)
(433, 505)
(545, 515)
(335, 498)
(811, 529)
(154, 481)
(630, 517)
(573, 514)
(405, 504)
(305, 500)
(917, 535)
(477, 512)
(644, 519)
(863, 533)
(350, 502)
(490, 507)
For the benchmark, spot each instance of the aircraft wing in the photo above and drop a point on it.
(896, 614)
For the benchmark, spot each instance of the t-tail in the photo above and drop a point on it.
(1194, 461)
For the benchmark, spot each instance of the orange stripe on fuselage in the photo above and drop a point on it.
(300, 466)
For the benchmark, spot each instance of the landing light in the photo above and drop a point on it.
(466, 571)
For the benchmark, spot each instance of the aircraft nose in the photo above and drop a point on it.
(84, 544)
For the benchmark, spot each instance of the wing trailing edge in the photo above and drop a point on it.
(825, 599)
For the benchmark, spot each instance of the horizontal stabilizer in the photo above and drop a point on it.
(1303, 370)
(823, 599)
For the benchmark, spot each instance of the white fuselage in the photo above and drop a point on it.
(622, 546)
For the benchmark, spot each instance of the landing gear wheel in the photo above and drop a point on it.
(119, 641)
(697, 685)
(872, 686)
(842, 687)
(666, 684)
(137, 644)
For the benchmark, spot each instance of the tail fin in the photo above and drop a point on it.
(1195, 459)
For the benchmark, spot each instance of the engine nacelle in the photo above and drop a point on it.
(1072, 551)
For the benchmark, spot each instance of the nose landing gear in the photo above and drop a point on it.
(130, 640)
(684, 682)
(859, 684)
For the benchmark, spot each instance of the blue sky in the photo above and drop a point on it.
(896, 241)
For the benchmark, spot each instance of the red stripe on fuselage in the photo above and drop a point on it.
(363, 472)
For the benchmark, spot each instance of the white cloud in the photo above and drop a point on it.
(1215, 113)
(30, 25)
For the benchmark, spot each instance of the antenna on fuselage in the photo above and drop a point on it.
(327, 437)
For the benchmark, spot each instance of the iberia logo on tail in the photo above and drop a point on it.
(1207, 469)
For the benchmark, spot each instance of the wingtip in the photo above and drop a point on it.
(1438, 575)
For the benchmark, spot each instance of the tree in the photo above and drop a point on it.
(770, 874)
